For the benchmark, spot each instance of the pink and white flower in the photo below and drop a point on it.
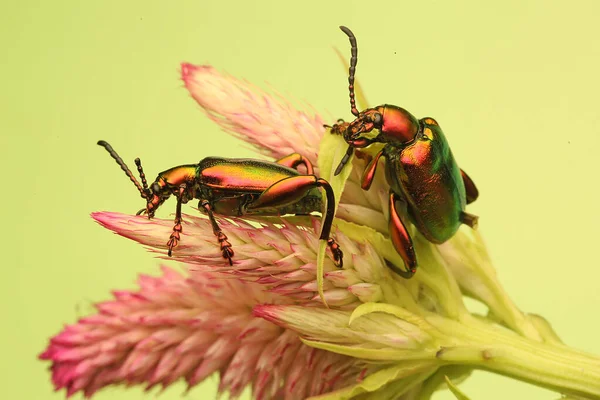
(260, 322)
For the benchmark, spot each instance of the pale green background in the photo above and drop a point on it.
(515, 86)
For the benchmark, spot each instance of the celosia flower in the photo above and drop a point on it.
(178, 327)
(261, 323)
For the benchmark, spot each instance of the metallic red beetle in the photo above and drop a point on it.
(420, 170)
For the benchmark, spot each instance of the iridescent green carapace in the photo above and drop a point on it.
(420, 169)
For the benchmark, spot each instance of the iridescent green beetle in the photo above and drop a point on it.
(420, 170)
(236, 187)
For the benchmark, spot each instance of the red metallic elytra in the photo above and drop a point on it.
(237, 187)
(420, 170)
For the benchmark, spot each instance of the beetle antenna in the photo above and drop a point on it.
(138, 163)
(352, 70)
(123, 166)
(344, 160)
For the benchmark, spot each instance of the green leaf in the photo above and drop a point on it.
(437, 381)
(401, 313)
(397, 389)
(459, 395)
(360, 233)
(331, 151)
(411, 372)
(320, 268)
(366, 353)
(436, 277)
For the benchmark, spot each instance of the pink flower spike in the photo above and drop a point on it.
(140, 351)
(272, 126)
(284, 270)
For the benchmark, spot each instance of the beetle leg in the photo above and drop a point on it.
(221, 237)
(469, 219)
(295, 159)
(369, 174)
(285, 192)
(247, 199)
(470, 188)
(338, 255)
(291, 190)
(175, 235)
(402, 241)
(338, 128)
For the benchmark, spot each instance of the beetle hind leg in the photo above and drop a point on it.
(226, 249)
(294, 160)
(291, 190)
(338, 255)
(402, 242)
(470, 188)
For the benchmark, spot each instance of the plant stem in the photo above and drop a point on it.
(555, 367)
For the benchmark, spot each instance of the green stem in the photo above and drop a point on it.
(554, 367)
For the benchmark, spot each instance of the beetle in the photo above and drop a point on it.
(237, 187)
(420, 169)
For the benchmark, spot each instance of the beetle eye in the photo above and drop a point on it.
(377, 119)
(155, 188)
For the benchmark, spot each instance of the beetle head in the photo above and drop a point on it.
(169, 183)
(358, 132)
(392, 124)
(155, 196)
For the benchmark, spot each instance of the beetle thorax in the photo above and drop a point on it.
(398, 124)
(168, 182)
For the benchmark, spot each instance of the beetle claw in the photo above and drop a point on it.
(227, 253)
(406, 274)
(226, 249)
(338, 255)
(172, 243)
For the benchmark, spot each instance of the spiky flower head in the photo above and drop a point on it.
(261, 322)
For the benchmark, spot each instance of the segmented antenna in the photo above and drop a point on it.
(344, 160)
(352, 70)
(121, 163)
(138, 163)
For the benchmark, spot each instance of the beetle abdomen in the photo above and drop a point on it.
(241, 174)
(432, 184)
